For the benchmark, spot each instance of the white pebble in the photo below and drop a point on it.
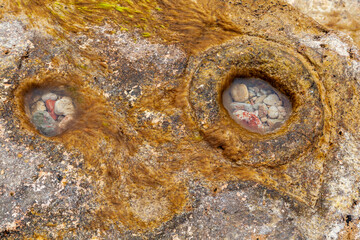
(260, 99)
(271, 100)
(38, 106)
(48, 96)
(273, 112)
(64, 106)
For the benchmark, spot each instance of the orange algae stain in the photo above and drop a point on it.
(193, 24)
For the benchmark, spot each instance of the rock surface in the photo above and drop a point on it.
(146, 161)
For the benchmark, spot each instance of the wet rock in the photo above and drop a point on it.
(44, 123)
(50, 105)
(273, 112)
(274, 123)
(282, 111)
(241, 106)
(227, 100)
(239, 92)
(263, 110)
(252, 93)
(64, 106)
(272, 100)
(260, 99)
(249, 120)
(65, 122)
(47, 96)
(38, 106)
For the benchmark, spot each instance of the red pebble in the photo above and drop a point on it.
(50, 105)
(53, 115)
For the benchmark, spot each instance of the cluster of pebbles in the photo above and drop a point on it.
(256, 105)
(51, 113)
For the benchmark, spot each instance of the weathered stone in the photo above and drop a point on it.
(65, 122)
(274, 123)
(282, 111)
(64, 106)
(271, 100)
(50, 105)
(239, 92)
(241, 106)
(252, 93)
(248, 119)
(273, 112)
(47, 96)
(260, 99)
(44, 123)
(263, 110)
(38, 106)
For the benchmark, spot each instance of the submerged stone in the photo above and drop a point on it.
(44, 123)
(239, 92)
(64, 106)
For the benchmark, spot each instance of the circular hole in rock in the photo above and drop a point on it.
(51, 111)
(255, 105)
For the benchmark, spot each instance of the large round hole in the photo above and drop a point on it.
(52, 111)
(255, 105)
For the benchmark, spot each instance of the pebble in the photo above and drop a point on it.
(48, 96)
(44, 123)
(252, 93)
(50, 105)
(274, 122)
(241, 106)
(249, 119)
(263, 110)
(65, 122)
(260, 99)
(271, 100)
(256, 106)
(282, 111)
(239, 92)
(273, 112)
(64, 106)
(38, 106)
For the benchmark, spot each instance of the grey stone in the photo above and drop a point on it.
(44, 123)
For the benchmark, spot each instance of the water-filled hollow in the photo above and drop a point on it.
(51, 110)
(256, 105)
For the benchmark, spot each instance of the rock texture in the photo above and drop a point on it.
(154, 154)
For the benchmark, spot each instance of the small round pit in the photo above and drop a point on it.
(255, 105)
(51, 111)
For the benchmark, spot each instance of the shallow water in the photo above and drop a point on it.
(264, 109)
